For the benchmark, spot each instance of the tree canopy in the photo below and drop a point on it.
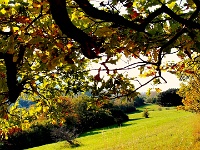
(47, 45)
(188, 72)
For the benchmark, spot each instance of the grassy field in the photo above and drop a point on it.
(165, 129)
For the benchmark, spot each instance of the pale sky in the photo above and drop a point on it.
(172, 80)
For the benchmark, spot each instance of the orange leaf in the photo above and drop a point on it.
(60, 45)
(69, 45)
(189, 71)
(134, 14)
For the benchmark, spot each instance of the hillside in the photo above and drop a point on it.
(166, 129)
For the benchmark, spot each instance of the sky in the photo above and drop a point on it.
(172, 80)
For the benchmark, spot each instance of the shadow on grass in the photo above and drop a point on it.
(144, 106)
(136, 111)
(140, 109)
(97, 131)
(90, 133)
(136, 119)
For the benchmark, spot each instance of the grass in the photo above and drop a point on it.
(166, 129)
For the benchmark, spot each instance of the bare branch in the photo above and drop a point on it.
(141, 85)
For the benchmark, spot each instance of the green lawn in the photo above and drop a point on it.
(164, 130)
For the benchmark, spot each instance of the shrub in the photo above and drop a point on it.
(64, 133)
(91, 116)
(146, 113)
(36, 136)
(119, 116)
(160, 108)
(169, 98)
(139, 101)
(39, 135)
(77, 116)
(95, 119)
(126, 108)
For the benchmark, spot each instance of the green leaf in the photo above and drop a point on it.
(171, 5)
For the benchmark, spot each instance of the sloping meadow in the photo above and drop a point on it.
(165, 129)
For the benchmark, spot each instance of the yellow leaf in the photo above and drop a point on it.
(74, 16)
(171, 5)
(3, 11)
(158, 90)
(135, 4)
(148, 93)
(45, 109)
(4, 1)
(38, 109)
(127, 53)
(53, 25)
(15, 29)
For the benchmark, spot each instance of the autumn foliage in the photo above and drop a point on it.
(189, 89)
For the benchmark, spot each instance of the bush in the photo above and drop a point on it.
(81, 115)
(146, 113)
(169, 98)
(95, 119)
(138, 101)
(119, 116)
(160, 108)
(36, 136)
(39, 135)
(90, 116)
(126, 108)
(64, 133)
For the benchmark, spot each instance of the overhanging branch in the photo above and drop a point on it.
(188, 23)
(88, 45)
(106, 16)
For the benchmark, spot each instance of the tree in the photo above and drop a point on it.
(46, 45)
(169, 98)
(189, 89)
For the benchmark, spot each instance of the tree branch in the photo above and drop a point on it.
(22, 49)
(11, 77)
(88, 45)
(5, 33)
(186, 22)
(14, 87)
(141, 85)
(106, 16)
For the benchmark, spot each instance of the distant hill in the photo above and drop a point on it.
(25, 103)
(152, 95)
(88, 93)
